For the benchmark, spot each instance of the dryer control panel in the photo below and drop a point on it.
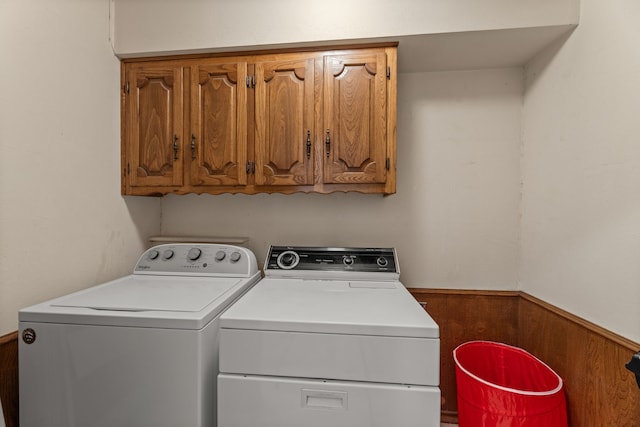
(300, 261)
(198, 259)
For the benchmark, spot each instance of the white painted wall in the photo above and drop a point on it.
(143, 26)
(455, 217)
(581, 170)
(63, 223)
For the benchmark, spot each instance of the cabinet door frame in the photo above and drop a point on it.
(300, 148)
(169, 174)
(231, 75)
(315, 85)
(341, 130)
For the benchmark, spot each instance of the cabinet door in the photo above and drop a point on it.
(155, 130)
(355, 118)
(218, 146)
(284, 103)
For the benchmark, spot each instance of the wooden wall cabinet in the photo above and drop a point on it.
(317, 121)
(217, 141)
(155, 122)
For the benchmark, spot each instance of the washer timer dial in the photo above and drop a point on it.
(194, 254)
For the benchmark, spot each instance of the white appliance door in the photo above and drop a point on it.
(255, 401)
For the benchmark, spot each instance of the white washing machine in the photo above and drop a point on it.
(330, 337)
(138, 351)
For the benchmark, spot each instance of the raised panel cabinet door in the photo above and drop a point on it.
(155, 114)
(284, 112)
(218, 145)
(355, 118)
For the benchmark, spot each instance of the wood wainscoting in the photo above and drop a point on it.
(9, 378)
(466, 316)
(600, 391)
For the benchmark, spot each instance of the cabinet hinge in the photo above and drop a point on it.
(388, 72)
(251, 168)
(127, 87)
(388, 164)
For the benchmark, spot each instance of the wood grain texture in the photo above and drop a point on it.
(600, 390)
(590, 359)
(218, 138)
(274, 120)
(392, 112)
(466, 316)
(9, 378)
(562, 345)
(284, 109)
(155, 139)
(355, 117)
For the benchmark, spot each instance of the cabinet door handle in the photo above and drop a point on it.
(327, 143)
(193, 147)
(308, 145)
(175, 147)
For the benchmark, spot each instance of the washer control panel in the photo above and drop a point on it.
(197, 259)
(296, 258)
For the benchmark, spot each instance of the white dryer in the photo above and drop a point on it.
(139, 351)
(330, 337)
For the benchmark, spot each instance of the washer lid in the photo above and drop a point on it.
(151, 293)
(169, 302)
(331, 307)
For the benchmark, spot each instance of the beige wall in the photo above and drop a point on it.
(581, 170)
(143, 26)
(454, 219)
(63, 223)
(466, 140)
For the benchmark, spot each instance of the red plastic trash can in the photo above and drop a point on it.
(504, 386)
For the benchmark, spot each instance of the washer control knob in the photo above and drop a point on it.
(382, 262)
(220, 255)
(168, 254)
(194, 254)
(288, 260)
(347, 260)
(235, 257)
(153, 254)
